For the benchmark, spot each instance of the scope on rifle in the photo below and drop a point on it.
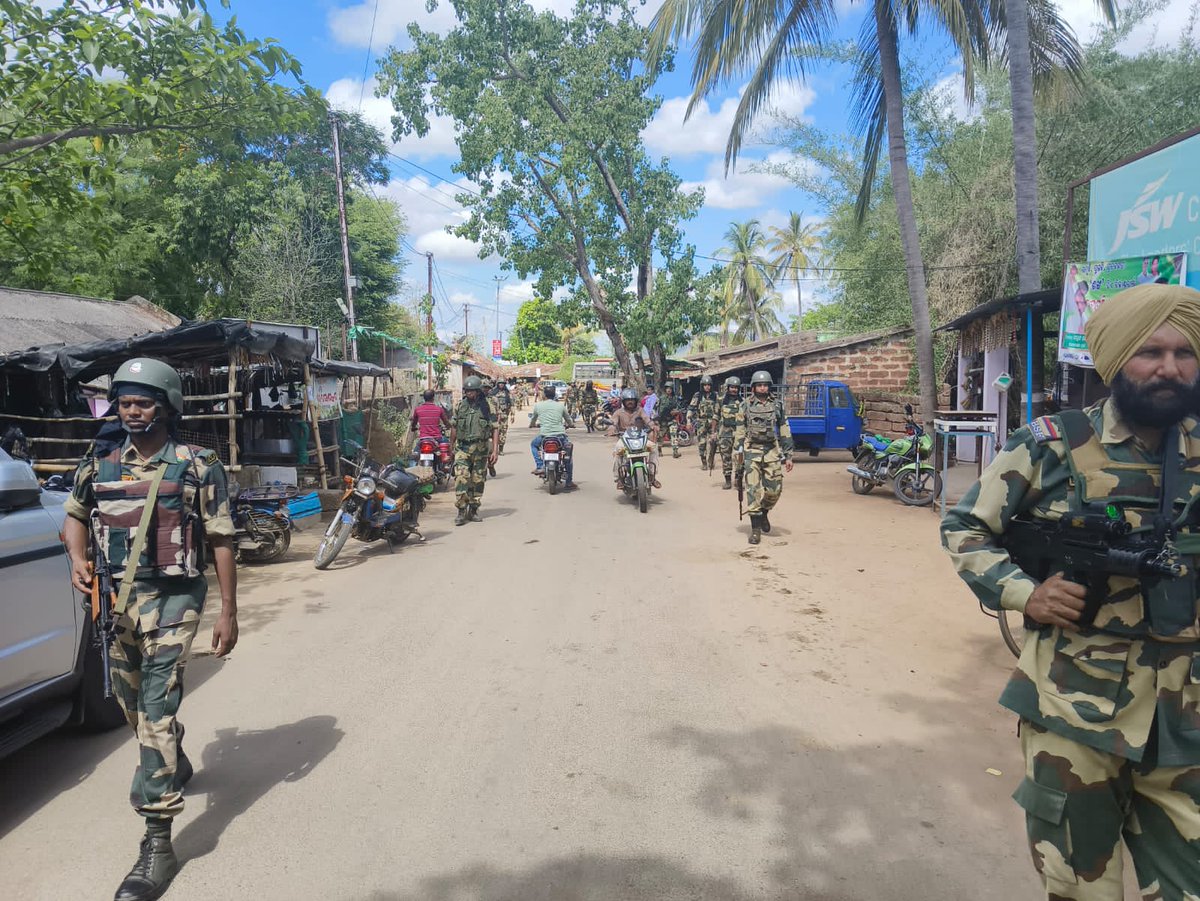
(1099, 524)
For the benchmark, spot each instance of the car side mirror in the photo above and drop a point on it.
(18, 485)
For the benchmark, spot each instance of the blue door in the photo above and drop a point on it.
(842, 426)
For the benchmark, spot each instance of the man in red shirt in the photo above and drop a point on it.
(429, 420)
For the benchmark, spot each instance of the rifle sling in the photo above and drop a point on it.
(1170, 480)
(139, 541)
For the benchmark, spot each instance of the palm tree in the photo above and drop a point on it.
(777, 39)
(749, 297)
(798, 246)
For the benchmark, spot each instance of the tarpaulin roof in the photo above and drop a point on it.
(349, 368)
(190, 341)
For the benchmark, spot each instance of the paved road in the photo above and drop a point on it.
(571, 701)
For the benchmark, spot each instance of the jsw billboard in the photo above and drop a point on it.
(1149, 206)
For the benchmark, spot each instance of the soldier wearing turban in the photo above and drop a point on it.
(1107, 688)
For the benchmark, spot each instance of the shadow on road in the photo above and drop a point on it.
(237, 768)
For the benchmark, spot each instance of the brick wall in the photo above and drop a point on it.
(883, 411)
(877, 366)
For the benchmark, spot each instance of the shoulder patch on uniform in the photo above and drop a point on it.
(183, 452)
(1044, 429)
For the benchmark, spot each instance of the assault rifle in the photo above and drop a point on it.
(1088, 548)
(739, 481)
(102, 601)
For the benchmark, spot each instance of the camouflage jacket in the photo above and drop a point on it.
(759, 422)
(193, 502)
(664, 412)
(1109, 685)
(705, 406)
(473, 421)
(727, 415)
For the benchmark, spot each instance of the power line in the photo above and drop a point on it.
(362, 88)
(441, 178)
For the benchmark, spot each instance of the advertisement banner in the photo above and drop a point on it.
(497, 353)
(1149, 206)
(1089, 284)
(327, 395)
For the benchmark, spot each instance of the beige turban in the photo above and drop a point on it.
(1124, 322)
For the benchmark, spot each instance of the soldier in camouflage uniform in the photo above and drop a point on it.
(763, 447)
(1109, 702)
(727, 416)
(472, 426)
(589, 403)
(703, 407)
(503, 410)
(162, 501)
(664, 412)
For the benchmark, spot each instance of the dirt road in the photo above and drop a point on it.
(570, 701)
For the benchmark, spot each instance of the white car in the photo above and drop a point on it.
(50, 672)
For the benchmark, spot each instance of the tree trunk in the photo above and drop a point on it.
(799, 304)
(910, 240)
(658, 359)
(1025, 173)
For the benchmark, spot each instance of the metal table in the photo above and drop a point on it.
(958, 428)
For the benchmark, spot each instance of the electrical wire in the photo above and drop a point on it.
(362, 88)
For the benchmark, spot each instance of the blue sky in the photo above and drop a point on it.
(333, 38)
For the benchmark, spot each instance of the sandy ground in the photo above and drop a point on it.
(571, 700)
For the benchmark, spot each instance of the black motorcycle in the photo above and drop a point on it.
(555, 454)
(380, 502)
(263, 523)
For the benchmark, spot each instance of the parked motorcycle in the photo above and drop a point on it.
(555, 454)
(914, 481)
(685, 432)
(262, 523)
(635, 472)
(434, 453)
(379, 503)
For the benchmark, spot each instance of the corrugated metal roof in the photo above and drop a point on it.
(39, 318)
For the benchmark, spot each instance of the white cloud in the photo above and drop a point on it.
(742, 189)
(1160, 29)
(949, 89)
(351, 25)
(445, 246)
(707, 131)
(439, 142)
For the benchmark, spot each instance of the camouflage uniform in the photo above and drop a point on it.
(590, 402)
(1110, 715)
(727, 418)
(472, 423)
(706, 407)
(502, 408)
(762, 436)
(155, 631)
(665, 414)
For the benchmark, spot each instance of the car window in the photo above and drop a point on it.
(839, 398)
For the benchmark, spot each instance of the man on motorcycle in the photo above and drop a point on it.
(471, 426)
(429, 420)
(703, 407)
(727, 415)
(628, 416)
(762, 441)
(551, 414)
(664, 412)
(589, 403)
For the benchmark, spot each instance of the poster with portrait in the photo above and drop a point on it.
(1088, 285)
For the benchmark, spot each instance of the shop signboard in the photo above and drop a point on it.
(326, 393)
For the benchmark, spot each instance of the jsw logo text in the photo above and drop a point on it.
(1147, 215)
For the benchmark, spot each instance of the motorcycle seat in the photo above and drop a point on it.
(403, 481)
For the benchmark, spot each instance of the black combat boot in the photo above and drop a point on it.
(461, 519)
(473, 515)
(755, 528)
(766, 523)
(675, 452)
(156, 865)
(728, 481)
(491, 469)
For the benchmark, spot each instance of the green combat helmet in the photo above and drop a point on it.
(762, 377)
(473, 383)
(733, 382)
(153, 374)
(706, 380)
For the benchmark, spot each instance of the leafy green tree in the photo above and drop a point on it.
(751, 305)
(797, 247)
(549, 113)
(537, 335)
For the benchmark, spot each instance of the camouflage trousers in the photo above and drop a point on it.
(725, 446)
(706, 442)
(763, 468)
(503, 427)
(589, 413)
(673, 431)
(470, 472)
(153, 640)
(1080, 803)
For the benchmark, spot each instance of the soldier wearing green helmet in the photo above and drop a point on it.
(731, 402)
(472, 426)
(153, 505)
(763, 448)
(703, 408)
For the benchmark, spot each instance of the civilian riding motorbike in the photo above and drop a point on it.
(903, 460)
(555, 456)
(434, 454)
(262, 523)
(380, 502)
(634, 471)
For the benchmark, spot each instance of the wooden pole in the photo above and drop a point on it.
(232, 402)
(314, 418)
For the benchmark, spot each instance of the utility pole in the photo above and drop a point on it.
(341, 196)
(467, 321)
(498, 279)
(429, 321)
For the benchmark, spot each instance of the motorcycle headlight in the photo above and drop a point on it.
(365, 486)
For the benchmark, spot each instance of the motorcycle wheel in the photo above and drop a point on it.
(1012, 630)
(331, 545)
(641, 489)
(863, 461)
(552, 479)
(278, 547)
(918, 488)
(684, 437)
